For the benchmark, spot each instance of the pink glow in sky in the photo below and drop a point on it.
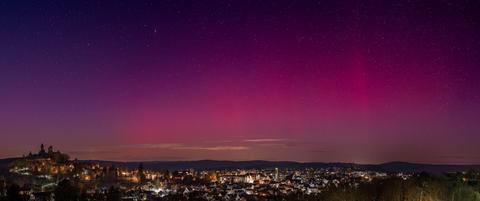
(304, 81)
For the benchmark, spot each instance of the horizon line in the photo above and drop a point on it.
(289, 161)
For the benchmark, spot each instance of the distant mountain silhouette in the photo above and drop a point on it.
(214, 164)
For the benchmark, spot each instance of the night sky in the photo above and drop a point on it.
(348, 80)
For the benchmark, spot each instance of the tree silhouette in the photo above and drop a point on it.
(113, 194)
(83, 196)
(65, 191)
(141, 173)
(13, 193)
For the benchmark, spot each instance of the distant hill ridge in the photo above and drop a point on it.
(214, 164)
(219, 164)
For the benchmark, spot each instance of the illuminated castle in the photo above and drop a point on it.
(44, 164)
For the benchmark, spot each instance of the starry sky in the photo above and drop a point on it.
(348, 80)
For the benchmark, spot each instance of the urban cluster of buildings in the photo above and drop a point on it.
(39, 174)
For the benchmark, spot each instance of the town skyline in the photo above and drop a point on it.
(50, 175)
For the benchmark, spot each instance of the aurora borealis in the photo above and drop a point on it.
(349, 80)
